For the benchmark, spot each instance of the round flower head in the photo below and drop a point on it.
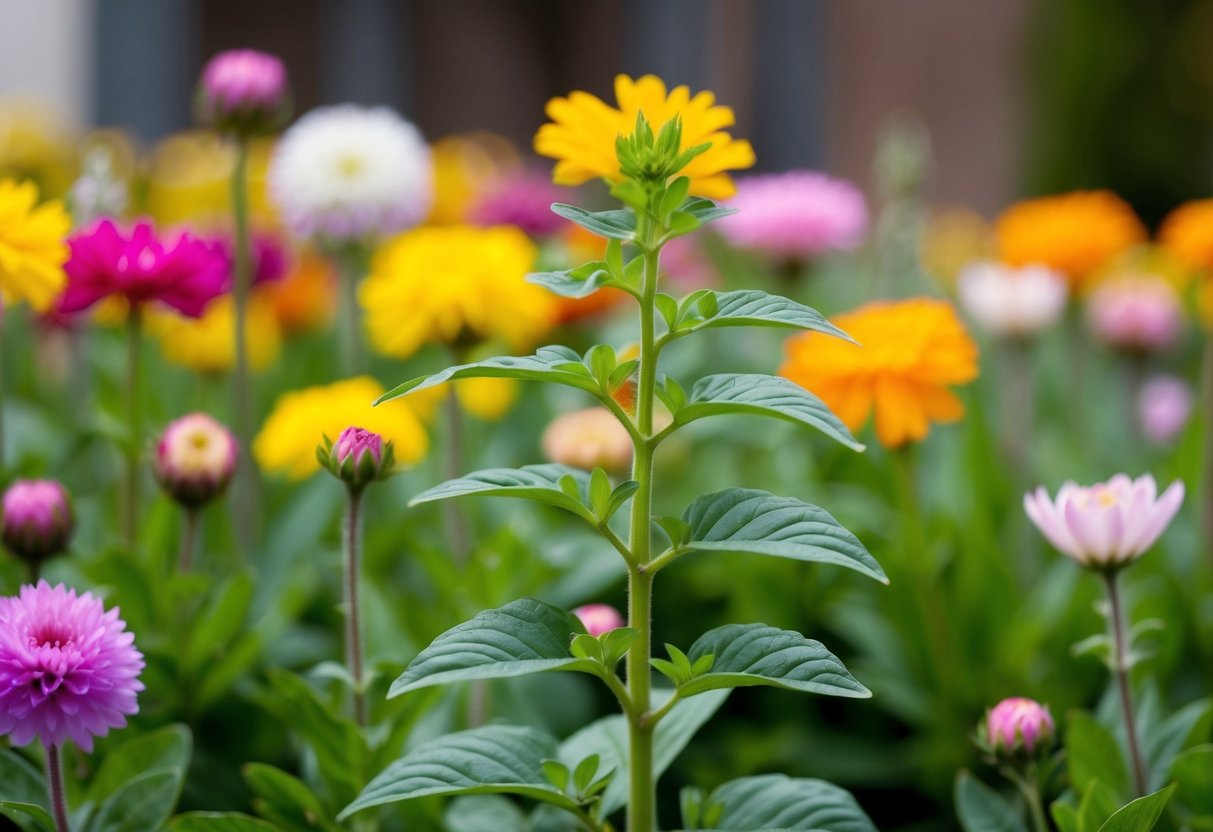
(599, 618)
(68, 668)
(179, 270)
(454, 283)
(590, 438)
(358, 457)
(795, 216)
(581, 136)
(1139, 314)
(1163, 407)
(1012, 302)
(195, 459)
(350, 174)
(243, 91)
(1187, 233)
(1107, 525)
(913, 352)
(522, 199)
(1075, 233)
(1017, 727)
(37, 519)
(31, 245)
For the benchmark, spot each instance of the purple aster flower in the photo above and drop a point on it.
(521, 199)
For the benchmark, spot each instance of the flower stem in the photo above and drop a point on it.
(1120, 669)
(54, 779)
(452, 513)
(134, 415)
(246, 491)
(349, 272)
(189, 534)
(353, 633)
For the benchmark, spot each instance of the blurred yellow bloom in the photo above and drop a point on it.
(487, 398)
(189, 180)
(32, 247)
(287, 442)
(581, 136)
(952, 240)
(913, 351)
(463, 165)
(1187, 233)
(449, 284)
(208, 344)
(36, 145)
(1075, 233)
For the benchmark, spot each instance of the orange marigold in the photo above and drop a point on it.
(1075, 233)
(913, 351)
(1187, 234)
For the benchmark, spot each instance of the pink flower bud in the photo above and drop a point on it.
(1018, 726)
(599, 618)
(1139, 314)
(195, 459)
(37, 519)
(243, 91)
(358, 457)
(1164, 406)
(588, 439)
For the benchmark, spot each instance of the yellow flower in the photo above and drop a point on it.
(208, 344)
(463, 165)
(1187, 233)
(446, 284)
(32, 247)
(300, 419)
(952, 240)
(487, 399)
(1075, 233)
(189, 180)
(581, 136)
(913, 351)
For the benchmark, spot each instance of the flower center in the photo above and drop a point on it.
(50, 636)
(349, 166)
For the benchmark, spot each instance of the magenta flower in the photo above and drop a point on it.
(354, 444)
(1164, 405)
(243, 91)
(599, 618)
(1107, 525)
(269, 256)
(195, 459)
(521, 199)
(180, 270)
(68, 668)
(795, 216)
(37, 519)
(358, 457)
(1018, 725)
(1140, 314)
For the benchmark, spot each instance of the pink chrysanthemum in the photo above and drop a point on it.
(178, 270)
(796, 215)
(68, 668)
(523, 200)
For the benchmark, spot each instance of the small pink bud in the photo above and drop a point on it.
(1018, 726)
(599, 618)
(243, 91)
(1164, 405)
(195, 459)
(37, 519)
(358, 457)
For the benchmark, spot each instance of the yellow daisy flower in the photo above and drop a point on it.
(451, 283)
(287, 442)
(581, 136)
(208, 344)
(32, 247)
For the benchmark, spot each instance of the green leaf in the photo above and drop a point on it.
(20, 782)
(756, 522)
(981, 809)
(1098, 804)
(580, 282)
(285, 799)
(22, 813)
(540, 483)
(751, 307)
(219, 822)
(1161, 743)
(220, 622)
(773, 801)
(491, 759)
(757, 654)
(558, 365)
(705, 210)
(762, 395)
(142, 803)
(614, 225)
(525, 636)
(1192, 772)
(1093, 755)
(1141, 814)
(484, 813)
(164, 748)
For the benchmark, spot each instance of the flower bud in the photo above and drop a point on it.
(357, 458)
(599, 618)
(1017, 728)
(195, 459)
(243, 91)
(37, 519)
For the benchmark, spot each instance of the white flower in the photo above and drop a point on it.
(348, 172)
(1012, 302)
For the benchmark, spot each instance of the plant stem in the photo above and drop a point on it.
(452, 513)
(246, 491)
(353, 633)
(188, 535)
(1120, 669)
(349, 272)
(54, 779)
(134, 415)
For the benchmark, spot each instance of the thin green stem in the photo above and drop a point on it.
(353, 629)
(189, 534)
(620, 690)
(452, 512)
(663, 560)
(246, 491)
(654, 717)
(134, 416)
(612, 538)
(1120, 670)
(349, 272)
(54, 781)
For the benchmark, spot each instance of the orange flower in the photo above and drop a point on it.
(1187, 233)
(913, 351)
(1075, 233)
(304, 300)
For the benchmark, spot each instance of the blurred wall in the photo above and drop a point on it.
(47, 54)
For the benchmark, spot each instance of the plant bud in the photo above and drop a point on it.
(357, 458)
(195, 459)
(1016, 728)
(37, 519)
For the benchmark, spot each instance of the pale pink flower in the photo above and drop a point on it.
(1143, 313)
(599, 618)
(1018, 724)
(1012, 302)
(587, 439)
(195, 459)
(1163, 406)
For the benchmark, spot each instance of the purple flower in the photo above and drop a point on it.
(195, 459)
(521, 199)
(68, 668)
(243, 91)
(1018, 725)
(599, 618)
(37, 519)
(269, 256)
(358, 457)
(796, 215)
(1164, 406)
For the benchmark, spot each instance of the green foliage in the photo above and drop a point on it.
(774, 801)
(981, 809)
(1093, 755)
(1140, 815)
(218, 822)
(748, 307)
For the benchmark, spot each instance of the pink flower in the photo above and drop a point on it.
(180, 270)
(195, 459)
(1012, 302)
(37, 519)
(243, 91)
(358, 457)
(590, 438)
(1108, 525)
(68, 668)
(1164, 405)
(599, 618)
(269, 256)
(523, 200)
(1018, 724)
(796, 215)
(1136, 313)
